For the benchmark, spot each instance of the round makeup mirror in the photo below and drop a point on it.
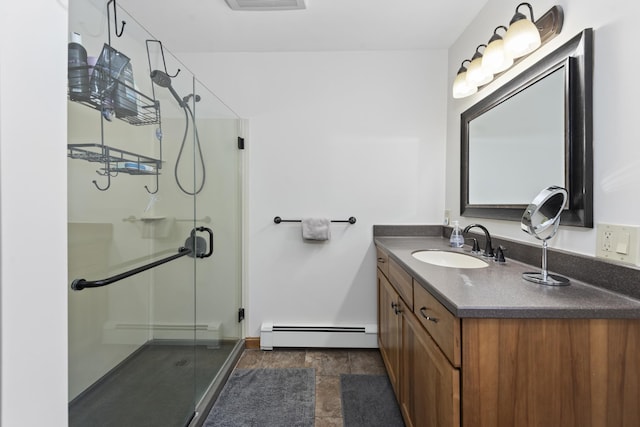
(541, 219)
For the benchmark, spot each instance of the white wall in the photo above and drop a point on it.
(33, 277)
(366, 111)
(616, 150)
(333, 134)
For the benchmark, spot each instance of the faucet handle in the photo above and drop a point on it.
(488, 250)
(499, 257)
(475, 248)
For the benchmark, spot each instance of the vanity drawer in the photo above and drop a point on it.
(402, 281)
(443, 326)
(383, 261)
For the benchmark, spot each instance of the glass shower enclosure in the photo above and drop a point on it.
(154, 220)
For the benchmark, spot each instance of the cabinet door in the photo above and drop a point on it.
(551, 372)
(389, 329)
(430, 395)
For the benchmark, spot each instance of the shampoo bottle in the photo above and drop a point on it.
(125, 99)
(78, 70)
(456, 240)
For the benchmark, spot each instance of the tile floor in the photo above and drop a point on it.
(329, 364)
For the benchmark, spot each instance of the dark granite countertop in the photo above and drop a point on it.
(499, 291)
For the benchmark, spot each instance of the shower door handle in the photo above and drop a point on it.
(210, 232)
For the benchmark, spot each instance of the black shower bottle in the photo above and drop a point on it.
(78, 70)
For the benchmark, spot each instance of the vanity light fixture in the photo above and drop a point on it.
(461, 87)
(495, 58)
(478, 75)
(503, 51)
(523, 37)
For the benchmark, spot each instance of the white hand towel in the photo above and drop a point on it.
(316, 229)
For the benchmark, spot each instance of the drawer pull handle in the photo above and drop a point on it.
(396, 307)
(382, 260)
(433, 319)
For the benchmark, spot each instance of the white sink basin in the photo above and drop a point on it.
(449, 259)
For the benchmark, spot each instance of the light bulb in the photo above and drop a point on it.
(477, 75)
(495, 58)
(523, 37)
(461, 87)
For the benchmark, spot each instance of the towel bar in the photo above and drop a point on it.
(351, 220)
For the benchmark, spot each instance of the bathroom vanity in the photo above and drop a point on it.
(483, 347)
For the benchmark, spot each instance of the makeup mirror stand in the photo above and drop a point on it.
(541, 219)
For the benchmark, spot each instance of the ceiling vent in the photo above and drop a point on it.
(266, 4)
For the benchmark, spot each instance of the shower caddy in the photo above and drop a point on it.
(139, 110)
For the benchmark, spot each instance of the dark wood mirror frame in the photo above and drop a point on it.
(577, 55)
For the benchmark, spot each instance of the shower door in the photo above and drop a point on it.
(154, 225)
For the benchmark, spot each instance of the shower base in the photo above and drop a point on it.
(156, 386)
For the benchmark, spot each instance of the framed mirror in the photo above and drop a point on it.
(533, 132)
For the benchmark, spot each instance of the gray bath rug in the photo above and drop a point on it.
(266, 398)
(368, 401)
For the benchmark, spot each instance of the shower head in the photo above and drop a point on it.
(162, 79)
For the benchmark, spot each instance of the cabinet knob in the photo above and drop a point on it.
(382, 260)
(424, 314)
(394, 304)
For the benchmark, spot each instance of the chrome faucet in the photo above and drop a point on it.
(488, 249)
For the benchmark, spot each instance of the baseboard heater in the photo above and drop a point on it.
(326, 336)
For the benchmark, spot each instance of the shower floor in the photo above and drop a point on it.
(154, 387)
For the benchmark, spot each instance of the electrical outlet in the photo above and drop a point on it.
(447, 217)
(618, 243)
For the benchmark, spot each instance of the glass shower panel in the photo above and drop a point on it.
(219, 207)
(131, 353)
(206, 162)
(154, 173)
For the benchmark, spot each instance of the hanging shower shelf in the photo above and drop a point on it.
(118, 160)
(134, 107)
(108, 87)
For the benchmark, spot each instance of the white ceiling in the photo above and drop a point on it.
(325, 25)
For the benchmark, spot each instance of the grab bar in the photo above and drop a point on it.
(351, 220)
(80, 284)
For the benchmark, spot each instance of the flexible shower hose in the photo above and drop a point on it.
(187, 113)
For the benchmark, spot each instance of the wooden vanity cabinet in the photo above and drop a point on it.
(551, 372)
(489, 372)
(389, 329)
(402, 282)
(430, 385)
(382, 261)
(443, 326)
(426, 384)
